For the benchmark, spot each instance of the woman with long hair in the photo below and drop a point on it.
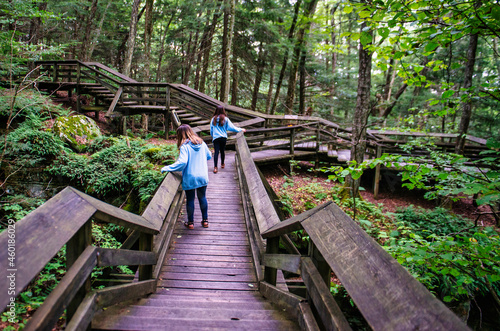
(219, 126)
(192, 161)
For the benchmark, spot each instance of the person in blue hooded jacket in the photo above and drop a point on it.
(219, 126)
(192, 161)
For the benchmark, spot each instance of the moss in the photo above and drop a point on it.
(78, 131)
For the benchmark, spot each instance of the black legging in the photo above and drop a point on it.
(219, 145)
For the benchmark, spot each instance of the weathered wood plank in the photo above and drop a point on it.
(293, 223)
(116, 294)
(285, 262)
(243, 286)
(386, 294)
(283, 299)
(327, 308)
(108, 213)
(54, 305)
(63, 214)
(115, 257)
(263, 208)
(229, 277)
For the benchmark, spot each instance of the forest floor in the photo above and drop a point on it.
(281, 180)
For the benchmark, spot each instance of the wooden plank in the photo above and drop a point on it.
(241, 286)
(206, 270)
(285, 262)
(283, 299)
(116, 294)
(293, 223)
(54, 305)
(202, 263)
(157, 209)
(307, 320)
(63, 214)
(380, 287)
(115, 257)
(83, 316)
(330, 313)
(262, 206)
(193, 323)
(212, 252)
(229, 277)
(111, 214)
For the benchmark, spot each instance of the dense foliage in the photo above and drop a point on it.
(121, 170)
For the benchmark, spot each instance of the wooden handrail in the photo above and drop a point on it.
(385, 293)
(65, 219)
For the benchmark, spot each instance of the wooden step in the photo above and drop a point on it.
(202, 122)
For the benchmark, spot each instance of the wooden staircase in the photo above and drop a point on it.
(208, 278)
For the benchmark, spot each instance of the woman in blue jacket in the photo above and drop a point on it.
(219, 126)
(192, 161)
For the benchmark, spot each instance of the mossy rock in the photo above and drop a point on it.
(78, 131)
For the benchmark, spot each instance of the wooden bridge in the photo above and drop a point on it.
(229, 276)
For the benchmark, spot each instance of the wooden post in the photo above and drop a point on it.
(376, 184)
(270, 274)
(145, 244)
(75, 246)
(124, 125)
(320, 263)
(78, 77)
(167, 112)
(292, 141)
(54, 72)
(316, 163)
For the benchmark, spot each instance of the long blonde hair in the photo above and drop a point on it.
(184, 132)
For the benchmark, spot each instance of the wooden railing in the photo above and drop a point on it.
(66, 219)
(385, 293)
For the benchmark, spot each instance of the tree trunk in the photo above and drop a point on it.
(97, 33)
(188, 58)
(207, 48)
(129, 51)
(162, 48)
(229, 12)
(203, 44)
(148, 32)
(87, 39)
(302, 83)
(467, 104)
(35, 33)
(258, 77)
(299, 44)
(270, 91)
(234, 87)
(358, 139)
(285, 57)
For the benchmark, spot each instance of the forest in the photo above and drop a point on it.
(417, 66)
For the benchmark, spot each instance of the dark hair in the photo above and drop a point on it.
(220, 113)
(184, 132)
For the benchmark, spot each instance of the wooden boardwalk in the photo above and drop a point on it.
(208, 279)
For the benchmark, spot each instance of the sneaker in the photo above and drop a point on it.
(215, 170)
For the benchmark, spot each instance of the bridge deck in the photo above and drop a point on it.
(208, 280)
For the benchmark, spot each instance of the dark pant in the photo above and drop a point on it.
(202, 199)
(219, 145)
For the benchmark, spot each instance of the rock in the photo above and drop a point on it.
(78, 131)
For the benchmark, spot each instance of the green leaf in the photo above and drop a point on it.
(447, 94)
(365, 14)
(348, 9)
(431, 46)
(383, 32)
(366, 38)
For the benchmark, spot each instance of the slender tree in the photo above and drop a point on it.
(129, 52)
